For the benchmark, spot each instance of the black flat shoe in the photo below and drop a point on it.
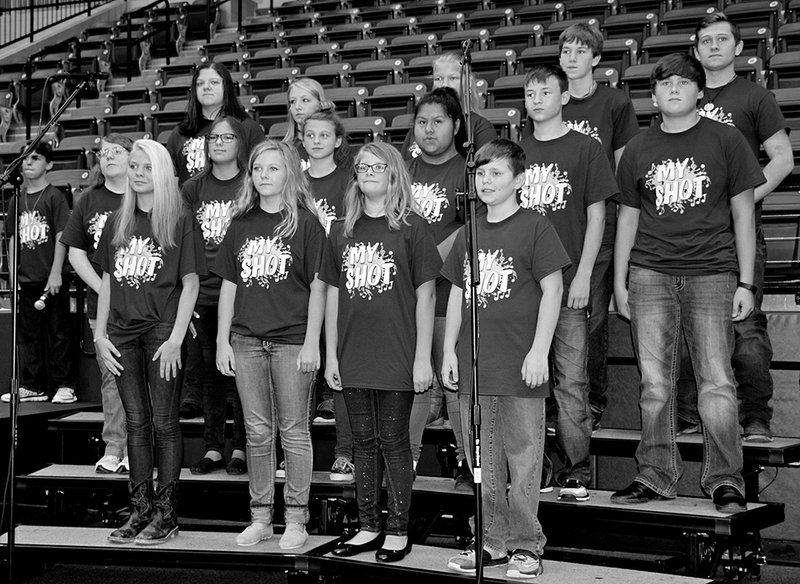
(729, 500)
(205, 465)
(345, 550)
(387, 556)
(636, 494)
(236, 466)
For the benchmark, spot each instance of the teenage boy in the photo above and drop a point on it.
(568, 179)
(607, 115)
(683, 261)
(753, 110)
(520, 260)
(81, 235)
(43, 213)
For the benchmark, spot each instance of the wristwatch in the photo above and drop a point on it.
(747, 286)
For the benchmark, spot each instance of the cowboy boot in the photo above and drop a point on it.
(141, 513)
(164, 524)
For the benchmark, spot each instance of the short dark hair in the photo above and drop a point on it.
(542, 73)
(45, 150)
(680, 64)
(714, 18)
(502, 149)
(584, 34)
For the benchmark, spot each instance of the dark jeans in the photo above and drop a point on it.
(44, 367)
(344, 434)
(217, 389)
(151, 403)
(192, 380)
(379, 419)
(752, 353)
(601, 289)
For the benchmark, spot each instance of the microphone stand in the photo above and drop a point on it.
(12, 176)
(471, 232)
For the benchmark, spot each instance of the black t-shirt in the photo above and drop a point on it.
(435, 187)
(682, 184)
(211, 203)
(328, 192)
(514, 255)
(748, 107)
(85, 227)
(343, 156)
(189, 152)
(378, 272)
(146, 279)
(272, 274)
(42, 216)
(563, 178)
(482, 130)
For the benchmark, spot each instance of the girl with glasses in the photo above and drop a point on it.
(211, 196)
(150, 254)
(380, 264)
(270, 317)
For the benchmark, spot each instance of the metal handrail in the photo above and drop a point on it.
(130, 16)
(33, 8)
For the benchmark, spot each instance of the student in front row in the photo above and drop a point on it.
(568, 179)
(683, 264)
(380, 266)
(519, 297)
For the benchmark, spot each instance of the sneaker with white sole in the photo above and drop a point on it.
(107, 465)
(523, 565)
(294, 536)
(573, 490)
(124, 466)
(342, 470)
(26, 395)
(255, 532)
(466, 561)
(65, 395)
(280, 472)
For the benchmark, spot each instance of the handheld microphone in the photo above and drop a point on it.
(80, 76)
(40, 304)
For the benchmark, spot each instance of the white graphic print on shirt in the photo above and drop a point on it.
(369, 269)
(546, 188)
(33, 229)
(96, 225)
(678, 183)
(584, 127)
(137, 263)
(264, 260)
(214, 218)
(327, 214)
(718, 114)
(497, 274)
(431, 201)
(194, 149)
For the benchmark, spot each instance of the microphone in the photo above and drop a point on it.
(80, 76)
(39, 304)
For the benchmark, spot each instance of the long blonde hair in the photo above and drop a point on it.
(399, 202)
(313, 87)
(295, 194)
(454, 58)
(167, 202)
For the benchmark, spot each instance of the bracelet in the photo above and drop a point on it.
(749, 287)
(98, 338)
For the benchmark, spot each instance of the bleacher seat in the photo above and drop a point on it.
(453, 41)
(69, 179)
(635, 25)
(441, 23)
(292, 7)
(75, 152)
(274, 109)
(757, 42)
(419, 70)
(338, 18)
(299, 20)
(421, 8)
(135, 117)
(636, 80)
(333, 75)
(539, 13)
(180, 66)
(607, 76)
(322, 54)
(364, 130)
(389, 101)
(355, 52)
(277, 131)
(410, 46)
(491, 19)
(490, 65)
(506, 122)
(553, 30)
(684, 19)
(784, 70)
(395, 134)
(759, 13)
(508, 92)
(788, 38)
(788, 99)
(658, 46)
(266, 60)
(619, 54)
(343, 33)
(517, 37)
(176, 89)
(349, 101)
(598, 9)
(304, 36)
(255, 25)
(232, 60)
(82, 121)
(392, 27)
(544, 55)
(646, 112)
(372, 74)
(263, 40)
(169, 116)
(275, 80)
(375, 13)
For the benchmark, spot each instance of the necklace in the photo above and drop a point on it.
(36, 204)
(714, 92)
(589, 93)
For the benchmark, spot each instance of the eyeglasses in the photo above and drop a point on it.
(106, 152)
(226, 138)
(378, 167)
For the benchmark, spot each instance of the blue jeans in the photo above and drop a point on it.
(601, 289)
(115, 435)
(151, 403)
(752, 353)
(379, 420)
(661, 305)
(512, 440)
(571, 390)
(275, 396)
(216, 387)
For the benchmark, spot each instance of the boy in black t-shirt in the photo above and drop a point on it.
(521, 259)
(568, 179)
(686, 230)
(43, 213)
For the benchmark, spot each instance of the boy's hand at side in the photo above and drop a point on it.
(450, 370)
(53, 283)
(423, 375)
(621, 300)
(578, 296)
(332, 376)
(534, 368)
(743, 304)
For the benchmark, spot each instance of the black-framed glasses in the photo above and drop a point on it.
(114, 150)
(378, 167)
(226, 138)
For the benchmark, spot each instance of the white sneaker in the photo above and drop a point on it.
(254, 533)
(342, 470)
(26, 395)
(124, 466)
(294, 536)
(65, 395)
(280, 472)
(107, 465)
